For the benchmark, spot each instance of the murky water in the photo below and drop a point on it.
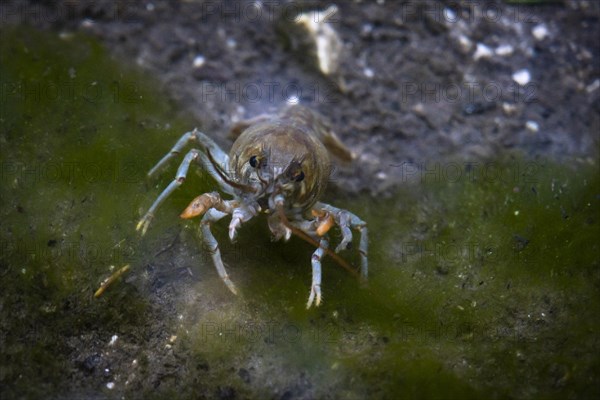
(484, 277)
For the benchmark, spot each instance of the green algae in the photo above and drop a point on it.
(482, 284)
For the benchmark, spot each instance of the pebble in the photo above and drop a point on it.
(522, 77)
(540, 32)
(504, 50)
(509, 109)
(532, 126)
(465, 43)
(381, 175)
(482, 51)
(449, 15)
(593, 86)
(87, 23)
(199, 61)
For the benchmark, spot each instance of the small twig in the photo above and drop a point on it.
(108, 281)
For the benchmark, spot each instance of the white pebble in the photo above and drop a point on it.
(450, 15)
(532, 126)
(522, 77)
(504, 50)
(199, 61)
(593, 86)
(113, 340)
(465, 43)
(110, 385)
(381, 175)
(87, 23)
(368, 72)
(482, 51)
(508, 108)
(540, 32)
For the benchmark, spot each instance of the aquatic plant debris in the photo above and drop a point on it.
(326, 40)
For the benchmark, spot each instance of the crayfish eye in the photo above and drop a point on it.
(299, 177)
(254, 163)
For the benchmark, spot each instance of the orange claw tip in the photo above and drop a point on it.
(325, 224)
(198, 206)
(318, 213)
